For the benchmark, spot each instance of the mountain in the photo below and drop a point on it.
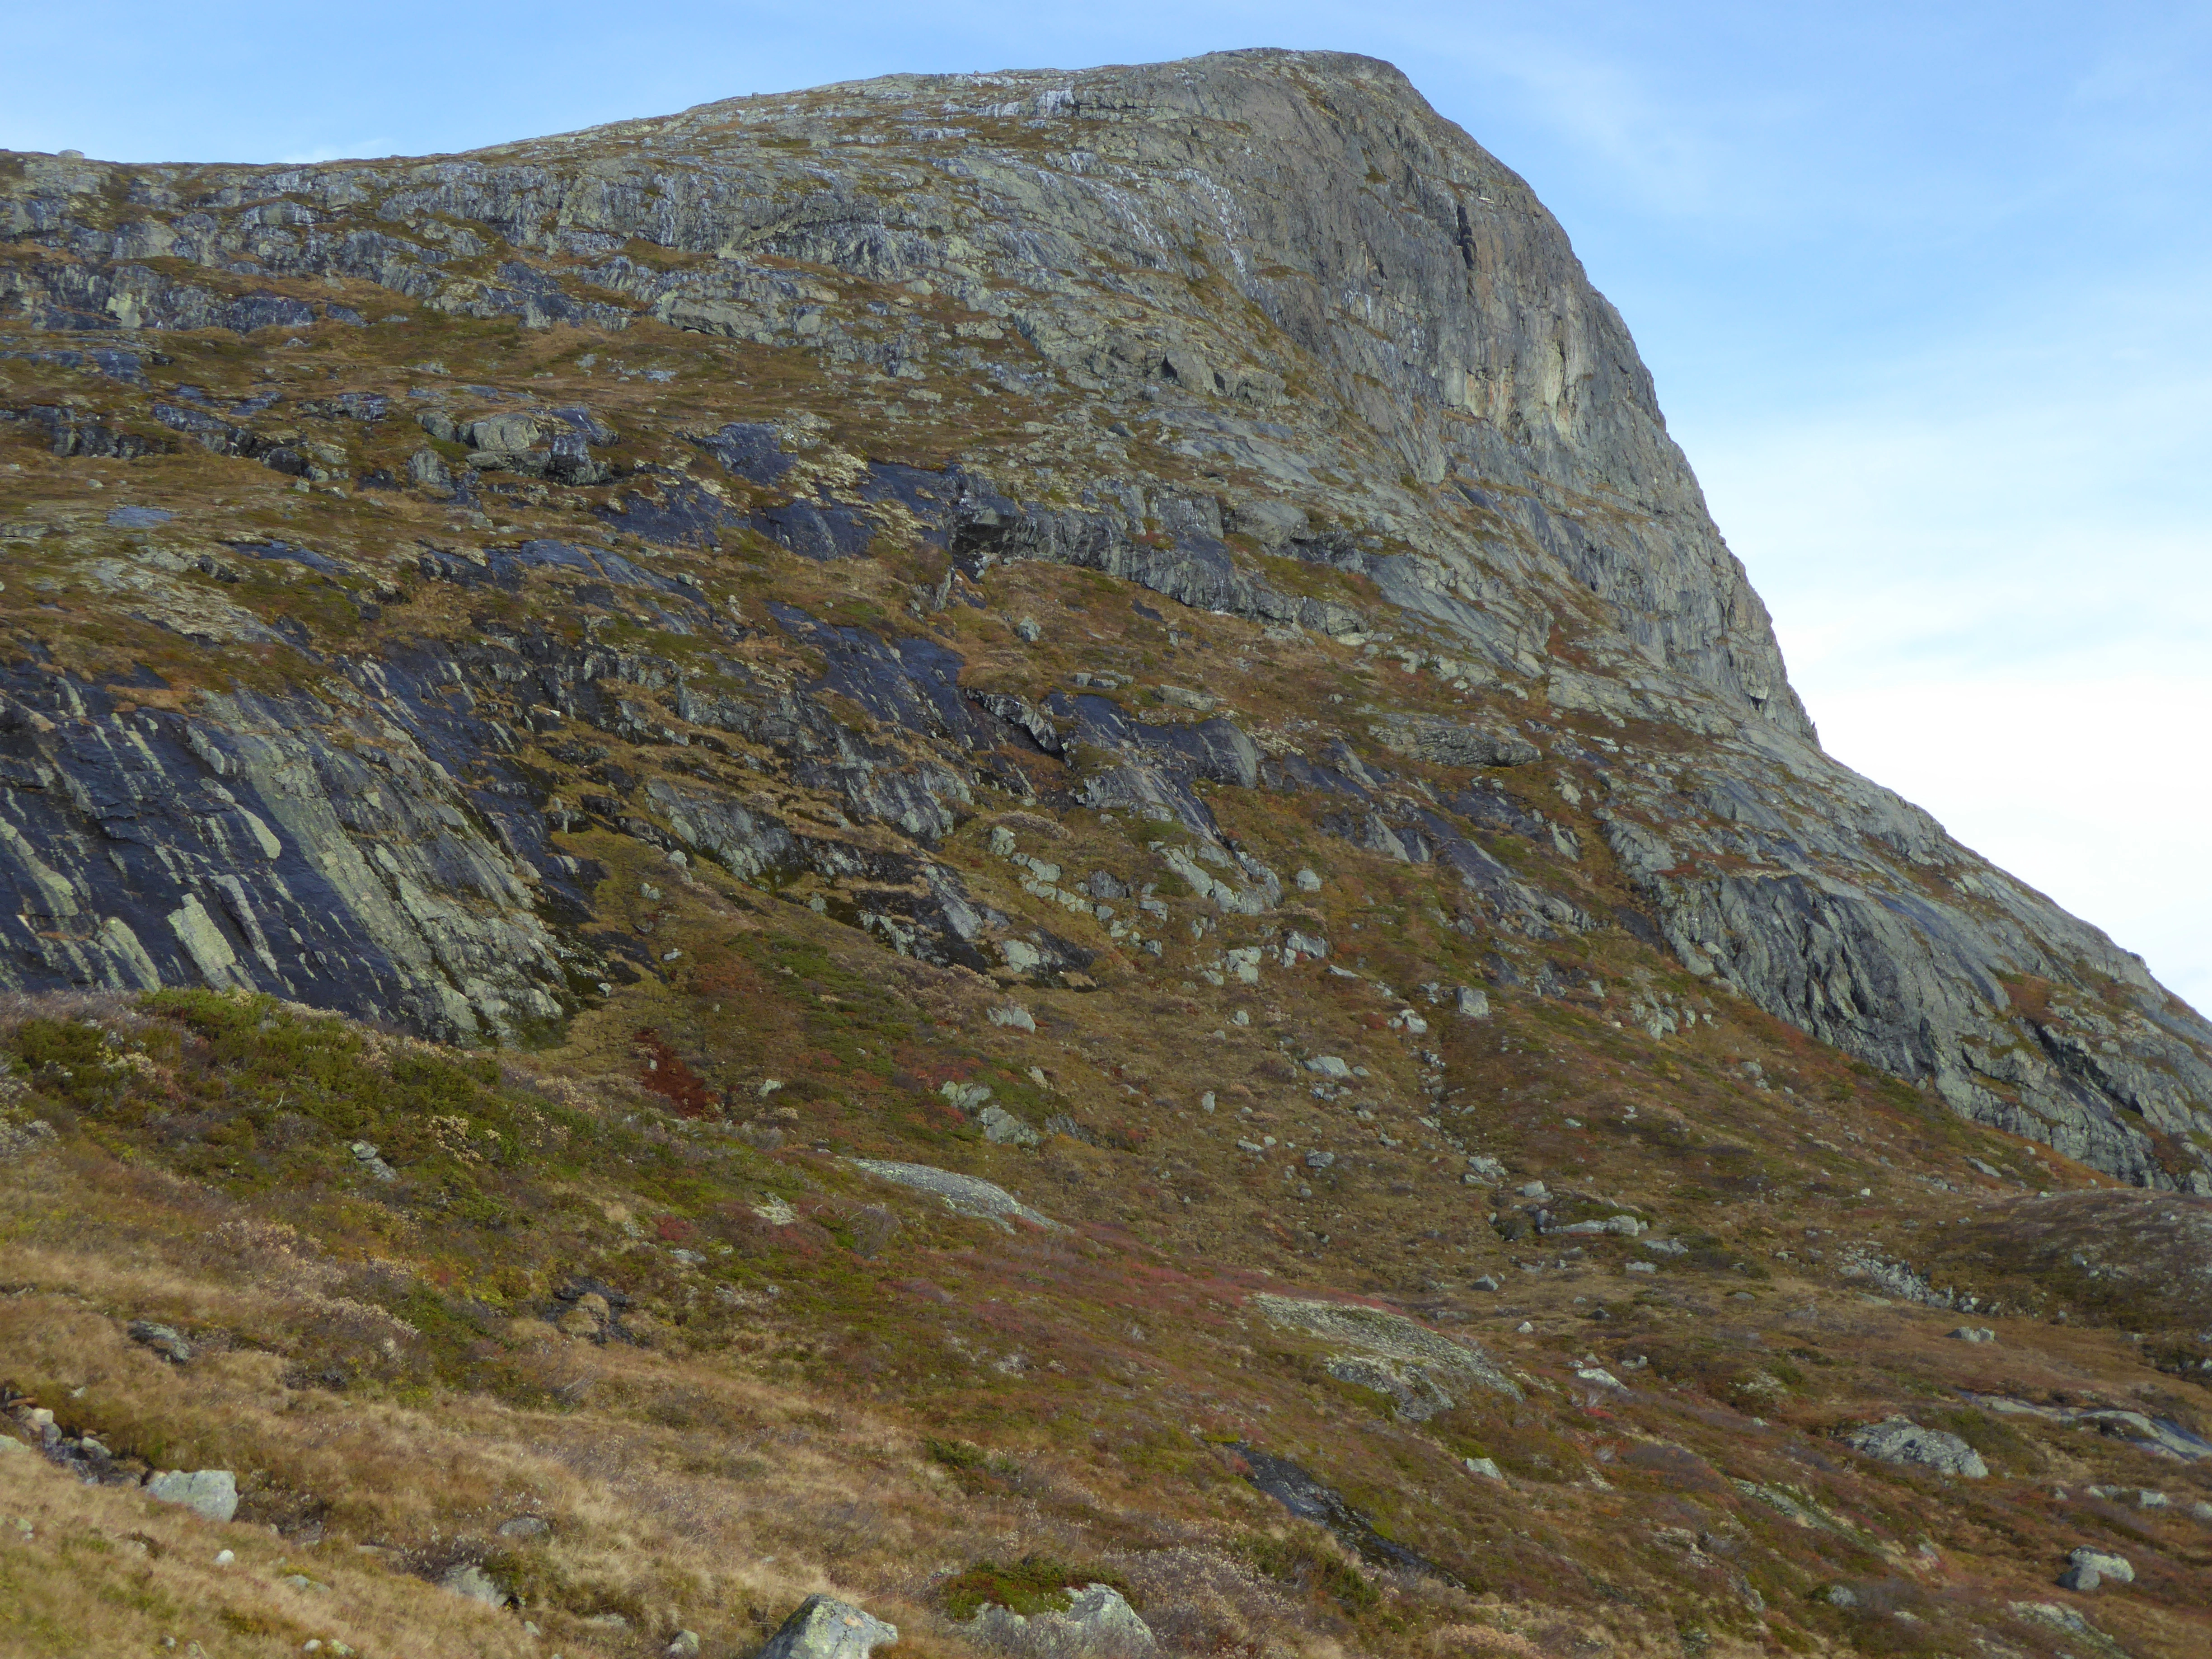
(1036, 803)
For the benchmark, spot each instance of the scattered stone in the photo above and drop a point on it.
(525, 1526)
(1974, 1334)
(1307, 882)
(1536, 1189)
(1840, 1595)
(685, 1646)
(1640, 1267)
(2151, 1500)
(1486, 1282)
(1474, 1004)
(1320, 1160)
(1332, 1067)
(224, 1557)
(1664, 1246)
(471, 1581)
(1524, 1329)
(1013, 1015)
(1482, 1168)
(212, 1494)
(163, 1340)
(826, 1628)
(1899, 1440)
(1027, 630)
(1002, 840)
(1486, 1467)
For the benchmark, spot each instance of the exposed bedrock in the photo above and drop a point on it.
(1257, 334)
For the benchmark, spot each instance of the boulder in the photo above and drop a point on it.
(210, 1494)
(163, 1340)
(2095, 1564)
(1898, 1440)
(502, 434)
(1002, 1128)
(826, 1628)
(1097, 1624)
(471, 1581)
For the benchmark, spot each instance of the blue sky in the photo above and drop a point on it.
(1927, 289)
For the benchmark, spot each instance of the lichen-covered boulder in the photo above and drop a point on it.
(826, 1628)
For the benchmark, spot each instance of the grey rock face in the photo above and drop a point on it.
(1898, 1441)
(1464, 401)
(1850, 914)
(211, 1494)
(826, 1628)
(1498, 322)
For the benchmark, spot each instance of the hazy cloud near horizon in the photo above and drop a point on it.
(1924, 288)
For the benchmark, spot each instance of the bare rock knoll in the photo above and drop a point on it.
(677, 482)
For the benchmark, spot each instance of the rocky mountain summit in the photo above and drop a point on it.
(1095, 681)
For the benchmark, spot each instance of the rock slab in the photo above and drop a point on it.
(1899, 1441)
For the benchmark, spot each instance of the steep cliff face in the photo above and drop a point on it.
(781, 484)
